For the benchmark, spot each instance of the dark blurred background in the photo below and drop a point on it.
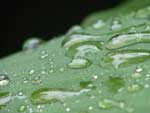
(21, 19)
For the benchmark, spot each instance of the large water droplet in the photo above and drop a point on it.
(123, 40)
(4, 99)
(44, 96)
(32, 43)
(125, 58)
(4, 80)
(79, 63)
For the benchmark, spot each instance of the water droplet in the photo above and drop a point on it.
(31, 71)
(61, 69)
(105, 104)
(67, 109)
(143, 13)
(4, 99)
(146, 86)
(114, 84)
(90, 107)
(116, 25)
(79, 63)
(134, 88)
(99, 24)
(86, 84)
(4, 80)
(45, 96)
(36, 80)
(44, 54)
(123, 40)
(22, 108)
(79, 39)
(125, 58)
(108, 104)
(81, 51)
(139, 70)
(32, 43)
(94, 77)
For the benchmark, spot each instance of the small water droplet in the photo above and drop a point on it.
(79, 63)
(99, 24)
(67, 109)
(4, 80)
(87, 84)
(105, 104)
(146, 86)
(116, 25)
(90, 107)
(94, 77)
(32, 43)
(22, 108)
(134, 88)
(139, 70)
(36, 80)
(31, 71)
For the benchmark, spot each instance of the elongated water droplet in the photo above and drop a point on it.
(32, 43)
(4, 99)
(79, 63)
(125, 58)
(4, 80)
(108, 104)
(45, 96)
(79, 38)
(82, 51)
(123, 40)
(134, 88)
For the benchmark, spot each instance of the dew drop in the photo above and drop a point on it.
(134, 88)
(32, 43)
(116, 25)
(67, 109)
(86, 84)
(22, 108)
(4, 80)
(105, 104)
(79, 63)
(143, 13)
(99, 24)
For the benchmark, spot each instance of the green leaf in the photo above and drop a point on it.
(99, 68)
